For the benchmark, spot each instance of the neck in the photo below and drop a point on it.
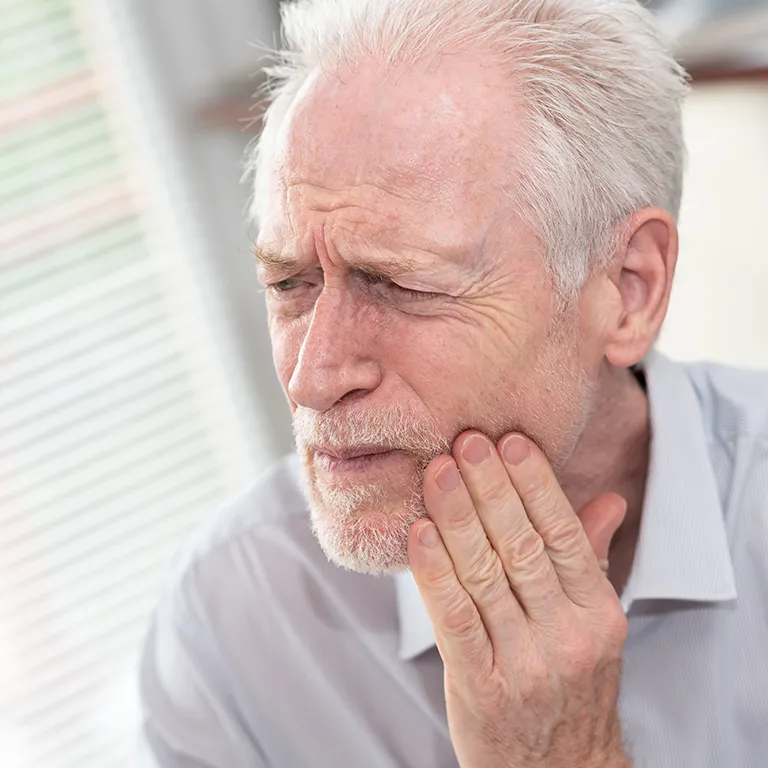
(612, 455)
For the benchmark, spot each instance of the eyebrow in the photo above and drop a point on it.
(271, 259)
(389, 267)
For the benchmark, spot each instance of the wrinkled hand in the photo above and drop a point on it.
(529, 628)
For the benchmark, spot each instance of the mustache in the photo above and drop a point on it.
(394, 428)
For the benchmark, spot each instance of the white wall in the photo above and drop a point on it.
(719, 306)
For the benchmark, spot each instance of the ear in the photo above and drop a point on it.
(643, 273)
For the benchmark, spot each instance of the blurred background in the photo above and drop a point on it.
(136, 384)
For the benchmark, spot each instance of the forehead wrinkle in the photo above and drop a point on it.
(402, 183)
(399, 247)
(368, 254)
(366, 227)
(386, 266)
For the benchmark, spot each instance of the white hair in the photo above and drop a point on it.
(602, 91)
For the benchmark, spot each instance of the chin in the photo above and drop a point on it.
(364, 528)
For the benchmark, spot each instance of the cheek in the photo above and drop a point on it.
(286, 347)
(447, 351)
(451, 366)
(483, 375)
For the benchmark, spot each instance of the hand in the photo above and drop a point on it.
(529, 628)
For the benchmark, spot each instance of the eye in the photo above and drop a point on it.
(393, 289)
(284, 286)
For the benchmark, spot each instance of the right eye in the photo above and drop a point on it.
(284, 286)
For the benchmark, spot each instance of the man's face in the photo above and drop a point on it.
(407, 303)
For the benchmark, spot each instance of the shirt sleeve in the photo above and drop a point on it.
(189, 717)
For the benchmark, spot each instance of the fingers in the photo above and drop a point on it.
(460, 634)
(485, 507)
(549, 511)
(507, 545)
(476, 564)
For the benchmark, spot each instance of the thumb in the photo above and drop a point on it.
(601, 519)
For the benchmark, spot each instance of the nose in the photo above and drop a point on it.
(337, 356)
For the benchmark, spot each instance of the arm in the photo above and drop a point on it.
(189, 717)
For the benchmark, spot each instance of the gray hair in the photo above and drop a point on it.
(602, 90)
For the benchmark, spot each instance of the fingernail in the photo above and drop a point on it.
(428, 535)
(447, 477)
(516, 450)
(476, 450)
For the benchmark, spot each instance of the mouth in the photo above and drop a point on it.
(353, 460)
(345, 454)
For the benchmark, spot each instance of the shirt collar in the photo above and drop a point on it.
(682, 550)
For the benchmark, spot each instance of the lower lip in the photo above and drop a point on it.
(369, 462)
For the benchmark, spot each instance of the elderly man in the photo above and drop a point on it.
(467, 235)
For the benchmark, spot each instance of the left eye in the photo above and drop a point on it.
(392, 287)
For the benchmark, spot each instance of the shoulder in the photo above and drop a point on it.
(256, 566)
(228, 552)
(273, 502)
(734, 401)
(734, 405)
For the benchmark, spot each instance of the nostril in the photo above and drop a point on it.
(355, 394)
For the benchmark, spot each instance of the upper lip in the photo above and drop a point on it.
(352, 453)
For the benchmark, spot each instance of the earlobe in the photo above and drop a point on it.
(644, 281)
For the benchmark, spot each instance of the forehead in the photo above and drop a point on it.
(442, 134)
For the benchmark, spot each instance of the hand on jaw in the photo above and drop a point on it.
(529, 628)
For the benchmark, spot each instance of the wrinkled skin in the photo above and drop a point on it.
(408, 303)
(530, 630)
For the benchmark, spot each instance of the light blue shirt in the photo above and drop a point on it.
(264, 655)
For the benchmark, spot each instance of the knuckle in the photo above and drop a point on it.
(439, 580)
(485, 579)
(523, 549)
(566, 535)
(460, 617)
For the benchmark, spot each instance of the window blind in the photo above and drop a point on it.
(116, 432)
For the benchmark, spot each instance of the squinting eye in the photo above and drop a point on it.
(410, 293)
(283, 286)
(393, 288)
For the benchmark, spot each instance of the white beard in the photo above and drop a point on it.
(363, 535)
(364, 527)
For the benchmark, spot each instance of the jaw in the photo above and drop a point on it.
(373, 540)
(363, 526)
